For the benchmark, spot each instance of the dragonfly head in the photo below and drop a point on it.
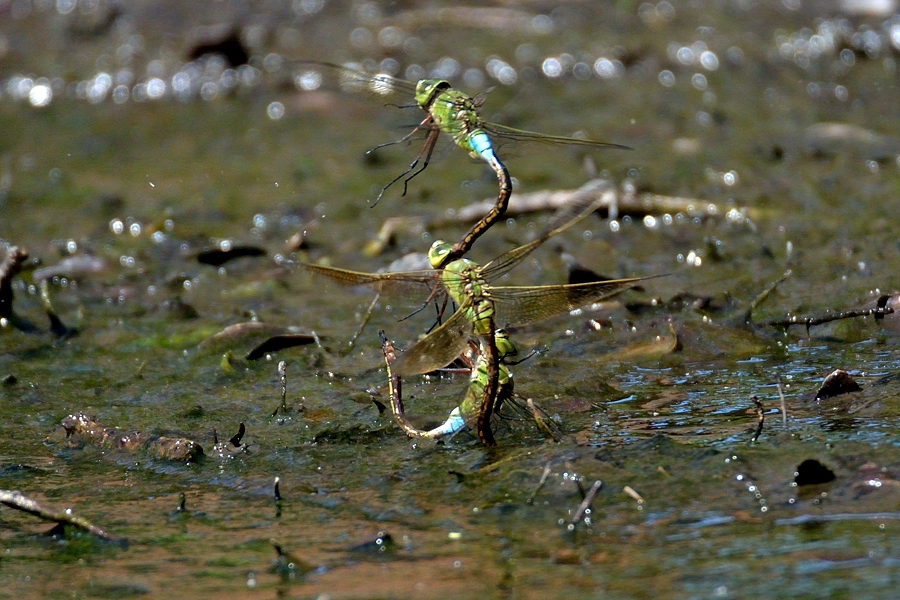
(438, 251)
(428, 89)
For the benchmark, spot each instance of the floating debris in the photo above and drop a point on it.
(82, 428)
(836, 383)
(812, 472)
(608, 199)
(219, 256)
(281, 342)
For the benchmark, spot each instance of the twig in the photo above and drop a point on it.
(540, 484)
(17, 500)
(585, 504)
(748, 316)
(633, 493)
(784, 420)
(282, 374)
(876, 312)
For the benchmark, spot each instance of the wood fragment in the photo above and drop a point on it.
(19, 501)
(586, 503)
(540, 484)
(784, 420)
(614, 202)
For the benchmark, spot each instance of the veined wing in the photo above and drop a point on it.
(440, 347)
(562, 220)
(311, 75)
(388, 282)
(522, 305)
(520, 135)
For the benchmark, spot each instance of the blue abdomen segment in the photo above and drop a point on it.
(453, 424)
(481, 145)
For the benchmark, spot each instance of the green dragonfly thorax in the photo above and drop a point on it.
(456, 114)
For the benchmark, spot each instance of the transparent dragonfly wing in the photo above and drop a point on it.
(523, 305)
(520, 135)
(388, 283)
(313, 75)
(440, 347)
(561, 221)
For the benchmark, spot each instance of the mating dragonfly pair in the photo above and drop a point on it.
(483, 309)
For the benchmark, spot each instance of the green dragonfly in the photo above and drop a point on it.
(449, 111)
(482, 308)
(428, 282)
(468, 408)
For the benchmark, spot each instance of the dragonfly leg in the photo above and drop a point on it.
(365, 321)
(431, 139)
(427, 150)
(405, 138)
(498, 210)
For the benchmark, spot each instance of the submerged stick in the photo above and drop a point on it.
(282, 374)
(748, 316)
(585, 504)
(19, 501)
(783, 403)
(540, 484)
(878, 311)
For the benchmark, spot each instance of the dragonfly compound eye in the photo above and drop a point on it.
(437, 252)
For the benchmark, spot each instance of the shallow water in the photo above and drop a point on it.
(784, 112)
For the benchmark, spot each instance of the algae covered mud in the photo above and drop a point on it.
(163, 169)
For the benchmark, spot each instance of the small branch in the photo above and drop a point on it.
(877, 312)
(540, 484)
(17, 500)
(585, 504)
(783, 403)
(748, 316)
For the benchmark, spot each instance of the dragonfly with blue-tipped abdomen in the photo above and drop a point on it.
(448, 111)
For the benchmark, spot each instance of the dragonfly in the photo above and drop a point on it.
(428, 283)
(469, 406)
(448, 111)
(482, 309)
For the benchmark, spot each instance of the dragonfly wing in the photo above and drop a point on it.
(521, 305)
(312, 75)
(440, 347)
(390, 282)
(563, 219)
(520, 135)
